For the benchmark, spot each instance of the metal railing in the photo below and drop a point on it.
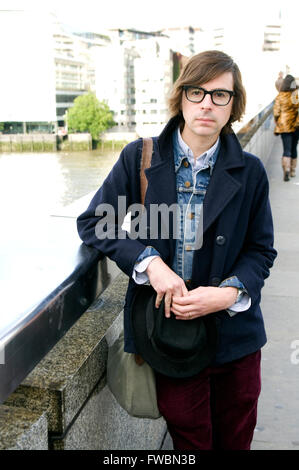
(257, 135)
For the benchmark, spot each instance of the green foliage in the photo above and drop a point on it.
(1, 126)
(89, 115)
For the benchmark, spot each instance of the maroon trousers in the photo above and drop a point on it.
(216, 409)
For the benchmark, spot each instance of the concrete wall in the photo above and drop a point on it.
(28, 143)
(77, 142)
(44, 142)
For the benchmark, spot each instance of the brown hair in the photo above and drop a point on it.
(202, 68)
(288, 84)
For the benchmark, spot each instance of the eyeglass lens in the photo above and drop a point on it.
(220, 97)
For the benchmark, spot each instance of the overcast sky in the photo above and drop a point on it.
(155, 14)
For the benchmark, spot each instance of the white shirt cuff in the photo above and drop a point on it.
(139, 273)
(243, 304)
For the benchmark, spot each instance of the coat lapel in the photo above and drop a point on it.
(161, 183)
(223, 185)
(222, 188)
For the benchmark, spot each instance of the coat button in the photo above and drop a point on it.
(215, 281)
(187, 184)
(186, 164)
(220, 240)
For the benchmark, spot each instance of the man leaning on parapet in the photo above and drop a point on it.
(198, 164)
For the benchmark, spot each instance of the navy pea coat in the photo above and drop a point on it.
(237, 231)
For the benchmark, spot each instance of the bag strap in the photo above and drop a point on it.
(146, 158)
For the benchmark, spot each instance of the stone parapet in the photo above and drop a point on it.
(22, 429)
(68, 387)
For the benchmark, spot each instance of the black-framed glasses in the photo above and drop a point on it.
(219, 96)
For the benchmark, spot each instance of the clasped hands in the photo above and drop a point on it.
(186, 305)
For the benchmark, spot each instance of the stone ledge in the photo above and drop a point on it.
(103, 425)
(21, 429)
(64, 379)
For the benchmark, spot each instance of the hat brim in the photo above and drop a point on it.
(163, 363)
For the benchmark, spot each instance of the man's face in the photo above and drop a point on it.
(206, 119)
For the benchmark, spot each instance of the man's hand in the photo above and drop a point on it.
(166, 283)
(202, 301)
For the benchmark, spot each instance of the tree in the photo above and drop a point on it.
(89, 115)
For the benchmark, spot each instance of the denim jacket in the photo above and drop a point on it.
(192, 181)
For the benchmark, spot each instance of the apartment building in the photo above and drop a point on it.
(44, 68)
(187, 40)
(272, 38)
(75, 56)
(134, 77)
(27, 79)
(153, 82)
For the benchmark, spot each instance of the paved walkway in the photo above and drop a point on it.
(278, 413)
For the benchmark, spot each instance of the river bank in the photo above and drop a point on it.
(10, 143)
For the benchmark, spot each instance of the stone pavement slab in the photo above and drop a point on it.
(278, 412)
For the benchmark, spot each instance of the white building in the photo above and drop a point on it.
(44, 68)
(75, 57)
(134, 77)
(272, 38)
(27, 79)
(153, 82)
(187, 40)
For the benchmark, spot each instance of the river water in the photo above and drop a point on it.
(38, 235)
(38, 183)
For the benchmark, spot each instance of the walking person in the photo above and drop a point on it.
(286, 117)
(199, 165)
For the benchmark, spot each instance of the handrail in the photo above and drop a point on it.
(250, 128)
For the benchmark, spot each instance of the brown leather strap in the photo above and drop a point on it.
(146, 158)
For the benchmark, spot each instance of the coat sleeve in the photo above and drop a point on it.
(258, 254)
(100, 225)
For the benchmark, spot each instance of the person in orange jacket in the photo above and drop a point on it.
(286, 117)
